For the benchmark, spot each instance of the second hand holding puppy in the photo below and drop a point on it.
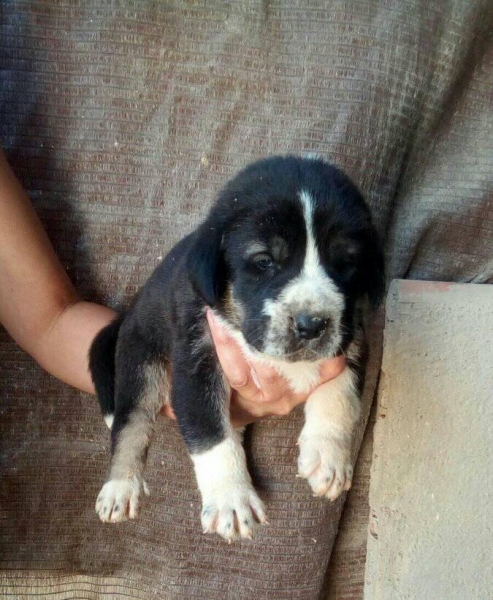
(258, 389)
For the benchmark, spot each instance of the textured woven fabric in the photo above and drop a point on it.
(123, 118)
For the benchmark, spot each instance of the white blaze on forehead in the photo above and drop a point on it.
(311, 292)
(312, 264)
(313, 289)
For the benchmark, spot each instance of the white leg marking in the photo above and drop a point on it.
(331, 413)
(230, 505)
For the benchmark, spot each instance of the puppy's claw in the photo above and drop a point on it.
(119, 500)
(325, 463)
(234, 517)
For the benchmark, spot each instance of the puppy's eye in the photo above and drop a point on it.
(263, 261)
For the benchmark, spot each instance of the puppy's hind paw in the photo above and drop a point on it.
(233, 515)
(119, 499)
(326, 463)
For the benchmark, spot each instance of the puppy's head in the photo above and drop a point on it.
(286, 255)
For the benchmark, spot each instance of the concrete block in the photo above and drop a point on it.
(431, 490)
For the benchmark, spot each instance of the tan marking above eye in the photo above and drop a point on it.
(277, 248)
(255, 247)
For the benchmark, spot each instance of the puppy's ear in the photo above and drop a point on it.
(206, 265)
(374, 275)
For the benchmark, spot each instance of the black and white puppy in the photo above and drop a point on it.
(287, 258)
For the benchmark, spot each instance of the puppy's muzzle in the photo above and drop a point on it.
(309, 327)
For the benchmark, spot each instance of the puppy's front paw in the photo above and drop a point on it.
(325, 462)
(118, 499)
(232, 511)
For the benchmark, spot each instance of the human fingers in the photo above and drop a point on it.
(272, 385)
(331, 368)
(277, 398)
(244, 411)
(235, 367)
(168, 412)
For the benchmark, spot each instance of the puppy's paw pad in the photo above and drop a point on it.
(233, 513)
(118, 499)
(326, 463)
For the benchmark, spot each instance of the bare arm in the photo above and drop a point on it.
(39, 306)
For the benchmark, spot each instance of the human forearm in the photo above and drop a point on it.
(63, 349)
(39, 306)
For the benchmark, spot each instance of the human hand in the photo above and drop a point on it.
(258, 389)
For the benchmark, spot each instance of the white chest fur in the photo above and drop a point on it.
(301, 376)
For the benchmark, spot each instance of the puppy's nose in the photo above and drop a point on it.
(308, 327)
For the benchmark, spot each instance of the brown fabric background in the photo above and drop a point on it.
(123, 118)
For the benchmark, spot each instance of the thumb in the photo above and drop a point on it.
(230, 356)
(330, 369)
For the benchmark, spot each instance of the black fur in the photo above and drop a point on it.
(102, 364)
